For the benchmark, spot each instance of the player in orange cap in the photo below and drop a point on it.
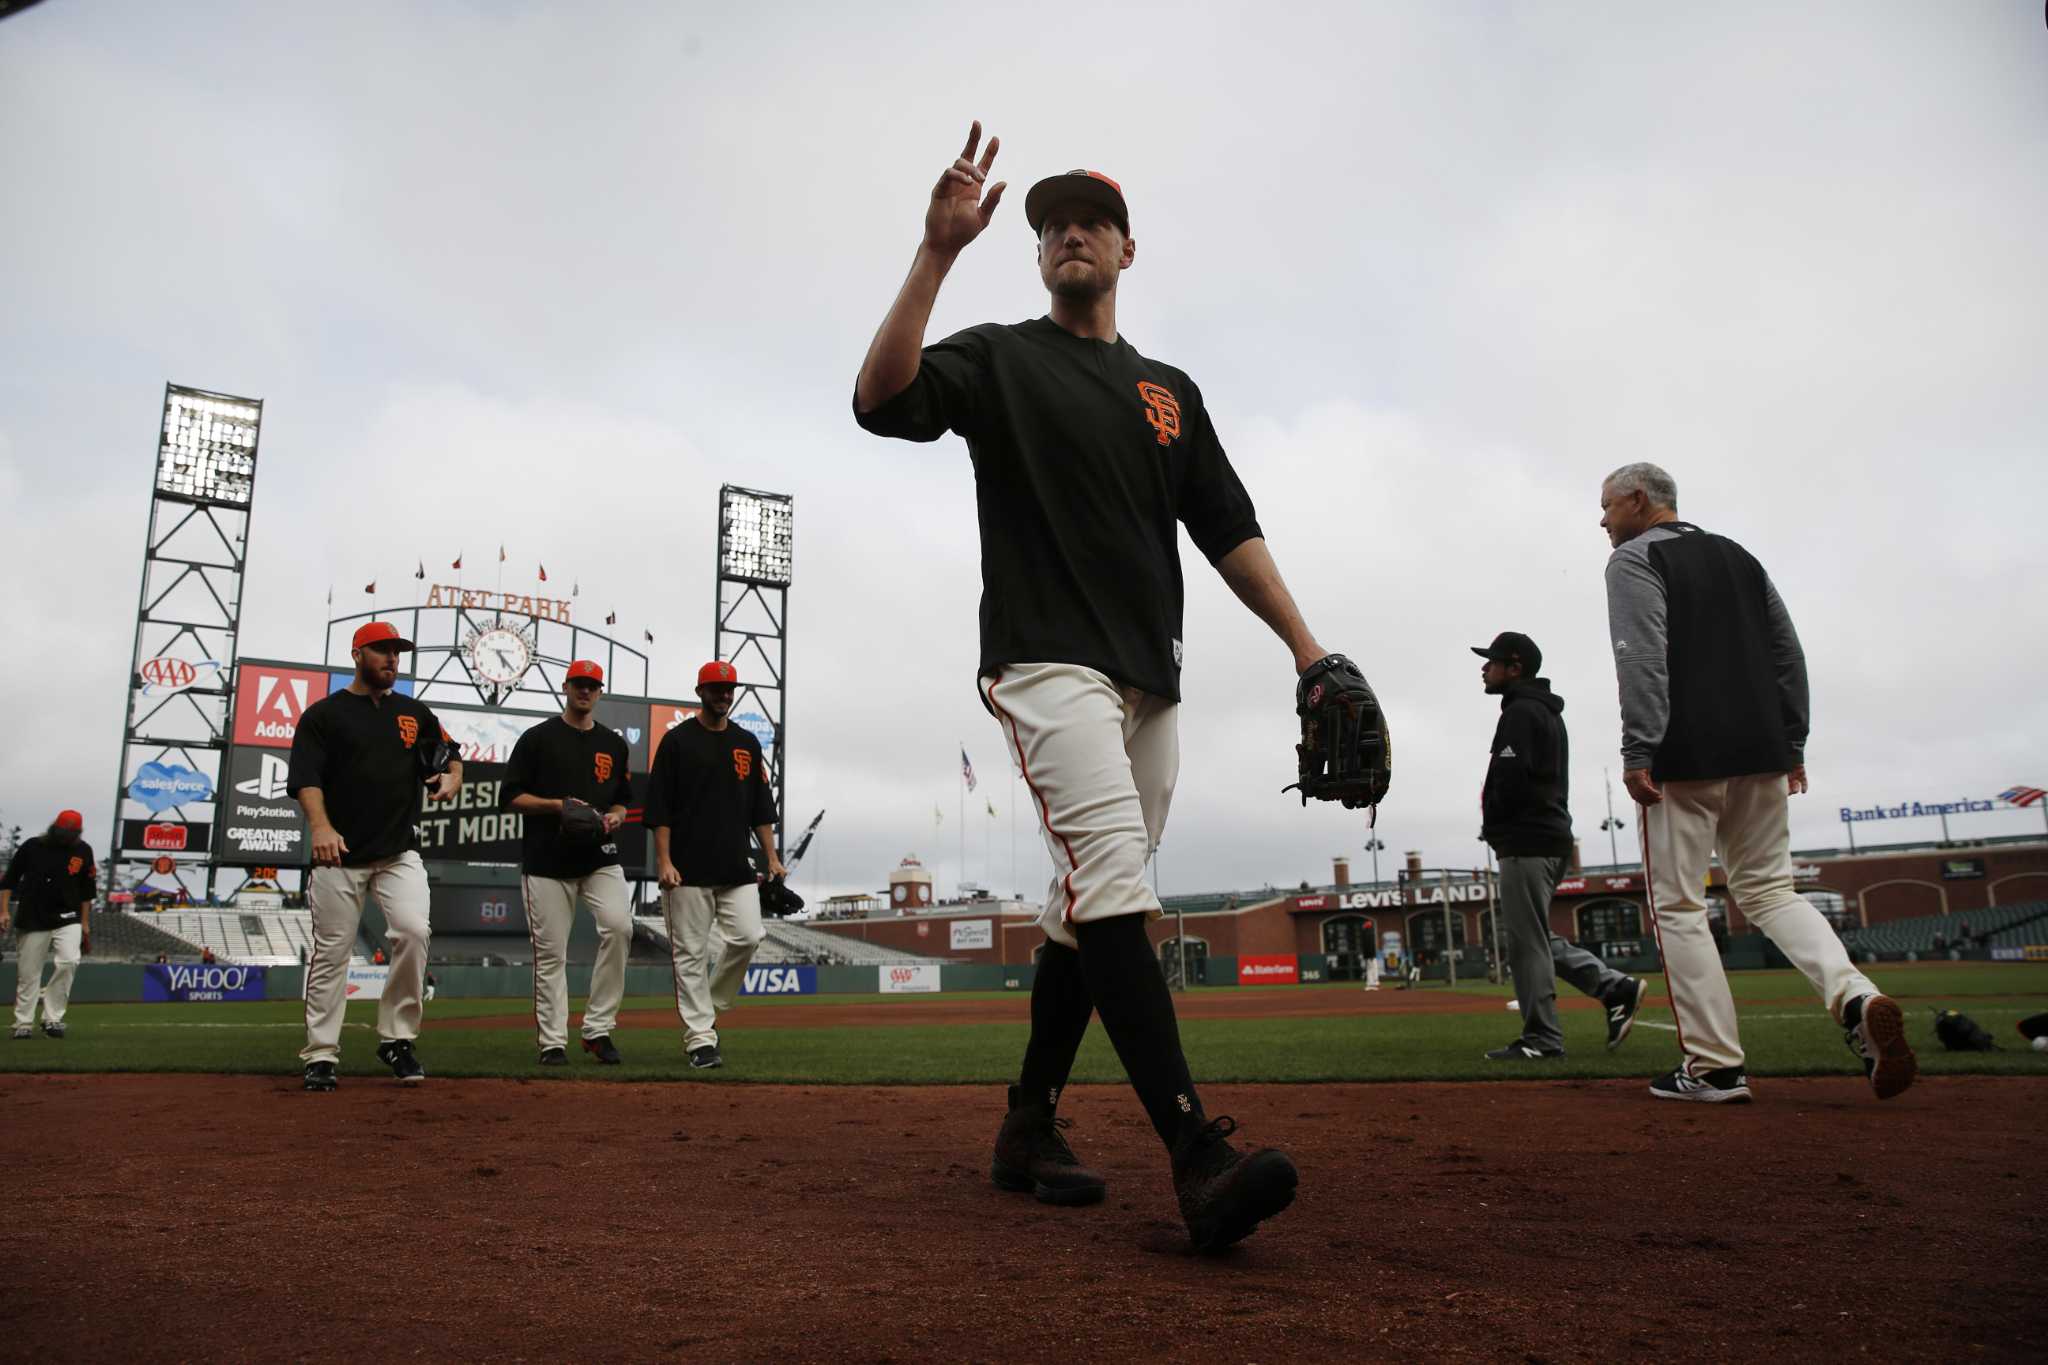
(52, 872)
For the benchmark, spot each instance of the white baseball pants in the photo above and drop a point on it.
(1744, 819)
(37, 947)
(335, 897)
(550, 913)
(692, 914)
(1101, 762)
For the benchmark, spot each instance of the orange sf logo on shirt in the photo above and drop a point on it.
(408, 729)
(743, 762)
(1162, 410)
(604, 767)
(76, 866)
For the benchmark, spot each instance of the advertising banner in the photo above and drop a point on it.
(167, 674)
(210, 981)
(269, 701)
(663, 717)
(780, 981)
(909, 978)
(165, 836)
(366, 982)
(1268, 971)
(159, 786)
(969, 934)
(259, 823)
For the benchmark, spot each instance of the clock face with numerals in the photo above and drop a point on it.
(500, 656)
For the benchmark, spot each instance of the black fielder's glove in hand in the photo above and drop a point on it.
(437, 758)
(581, 824)
(778, 901)
(1344, 751)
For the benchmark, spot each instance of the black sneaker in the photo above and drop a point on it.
(1522, 1050)
(22, 1031)
(398, 1055)
(1876, 1032)
(1724, 1085)
(54, 1031)
(320, 1076)
(554, 1056)
(1225, 1193)
(704, 1058)
(1032, 1154)
(1621, 1010)
(602, 1049)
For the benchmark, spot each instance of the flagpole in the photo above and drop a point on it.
(1014, 884)
(963, 820)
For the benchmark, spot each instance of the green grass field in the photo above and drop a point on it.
(1782, 1038)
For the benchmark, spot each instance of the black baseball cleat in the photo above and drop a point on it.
(1032, 1155)
(554, 1056)
(1622, 1007)
(54, 1031)
(1225, 1193)
(399, 1056)
(602, 1049)
(1875, 1030)
(705, 1058)
(22, 1031)
(320, 1076)
(1522, 1050)
(1723, 1085)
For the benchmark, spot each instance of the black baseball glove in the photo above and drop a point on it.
(1344, 751)
(778, 901)
(437, 758)
(581, 823)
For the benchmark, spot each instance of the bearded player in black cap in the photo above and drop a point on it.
(1086, 454)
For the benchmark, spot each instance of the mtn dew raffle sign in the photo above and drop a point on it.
(2012, 798)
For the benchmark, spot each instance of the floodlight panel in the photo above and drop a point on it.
(754, 536)
(206, 451)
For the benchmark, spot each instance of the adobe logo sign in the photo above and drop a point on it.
(270, 701)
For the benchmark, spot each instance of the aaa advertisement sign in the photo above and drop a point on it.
(909, 979)
(166, 674)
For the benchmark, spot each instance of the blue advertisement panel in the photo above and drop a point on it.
(780, 981)
(181, 981)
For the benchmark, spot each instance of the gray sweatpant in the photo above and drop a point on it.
(1538, 957)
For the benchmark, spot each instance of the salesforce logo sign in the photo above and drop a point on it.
(160, 786)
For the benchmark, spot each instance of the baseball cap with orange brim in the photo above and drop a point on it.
(1092, 188)
(379, 633)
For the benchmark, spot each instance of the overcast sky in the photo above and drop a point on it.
(548, 274)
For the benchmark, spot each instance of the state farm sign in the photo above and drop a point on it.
(1267, 971)
(269, 703)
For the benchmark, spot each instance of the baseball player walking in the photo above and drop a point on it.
(360, 761)
(707, 795)
(1713, 735)
(1528, 822)
(53, 874)
(568, 780)
(1085, 454)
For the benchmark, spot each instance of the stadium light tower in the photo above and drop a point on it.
(188, 621)
(751, 622)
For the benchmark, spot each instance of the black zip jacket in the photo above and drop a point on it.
(1524, 803)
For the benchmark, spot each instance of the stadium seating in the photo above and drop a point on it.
(2002, 925)
(252, 937)
(118, 936)
(792, 943)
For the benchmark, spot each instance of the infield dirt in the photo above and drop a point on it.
(237, 1218)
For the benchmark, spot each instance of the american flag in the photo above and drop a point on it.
(2022, 796)
(966, 768)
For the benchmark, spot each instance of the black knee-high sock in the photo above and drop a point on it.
(1060, 1006)
(1137, 1011)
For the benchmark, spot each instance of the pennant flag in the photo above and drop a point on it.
(966, 768)
(611, 618)
(330, 594)
(991, 809)
(938, 816)
(458, 560)
(543, 573)
(650, 636)
(501, 554)
(421, 571)
(2022, 796)
(371, 587)
(576, 588)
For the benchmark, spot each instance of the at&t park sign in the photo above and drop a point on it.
(1910, 810)
(516, 603)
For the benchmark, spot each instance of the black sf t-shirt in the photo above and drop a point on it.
(363, 753)
(50, 881)
(1085, 455)
(710, 788)
(555, 759)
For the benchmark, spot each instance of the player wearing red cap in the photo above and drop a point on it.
(568, 780)
(1087, 457)
(53, 874)
(360, 760)
(707, 795)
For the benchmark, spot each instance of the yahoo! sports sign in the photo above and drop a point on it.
(163, 982)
